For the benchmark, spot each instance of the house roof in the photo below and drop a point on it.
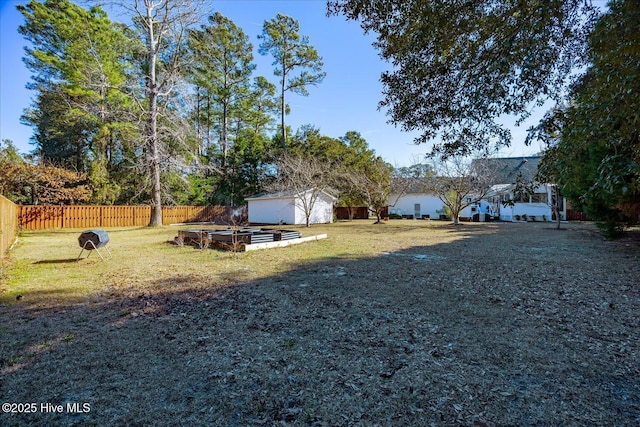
(409, 185)
(504, 173)
(500, 189)
(283, 195)
(506, 170)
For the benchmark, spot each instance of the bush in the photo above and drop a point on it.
(610, 221)
(611, 229)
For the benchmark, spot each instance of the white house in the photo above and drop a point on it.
(418, 205)
(500, 202)
(534, 207)
(290, 208)
(423, 205)
(537, 206)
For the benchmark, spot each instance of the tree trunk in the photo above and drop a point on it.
(154, 152)
(378, 217)
(556, 210)
(455, 214)
(283, 109)
(200, 142)
(224, 142)
(156, 199)
(208, 139)
(225, 127)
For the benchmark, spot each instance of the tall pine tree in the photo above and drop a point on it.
(80, 61)
(291, 52)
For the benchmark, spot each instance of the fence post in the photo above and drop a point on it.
(41, 217)
(9, 214)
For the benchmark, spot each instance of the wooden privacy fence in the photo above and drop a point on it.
(576, 216)
(48, 217)
(351, 212)
(219, 214)
(8, 224)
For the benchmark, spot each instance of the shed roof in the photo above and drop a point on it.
(289, 194)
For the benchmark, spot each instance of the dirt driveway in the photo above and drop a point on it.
(504, 325)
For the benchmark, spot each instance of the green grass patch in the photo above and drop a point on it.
(44, 269)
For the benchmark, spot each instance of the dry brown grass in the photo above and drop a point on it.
(408, 323)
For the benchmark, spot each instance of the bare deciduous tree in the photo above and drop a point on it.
(163, 25)
(306, 179)
(373, 183)
(459, 182)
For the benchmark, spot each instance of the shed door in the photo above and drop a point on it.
(416, 210)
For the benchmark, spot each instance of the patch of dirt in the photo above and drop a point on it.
(511, 324)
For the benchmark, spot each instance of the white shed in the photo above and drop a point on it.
(289, 208)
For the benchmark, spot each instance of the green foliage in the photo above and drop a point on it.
(368, 183)
(353, 172)
(458, 66)
(233, 113)
(249, 166)
(222, 67)
(81, 62)
(308, 141)
(114, 104)
(448, 213)
(594, 146)
(281, 39)
(9, 154)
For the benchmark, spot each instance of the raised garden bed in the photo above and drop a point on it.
(283, 234)
(233, 239)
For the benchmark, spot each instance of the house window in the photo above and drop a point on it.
(539, 198)
(521, 198)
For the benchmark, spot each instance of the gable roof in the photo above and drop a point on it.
(507, 169)
(283, 195)
(274, 195)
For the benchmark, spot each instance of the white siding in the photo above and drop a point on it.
(538, 210)
(533, 209)
(506, 213)
(271, 211)
(321, 213)
(284, 210)
(429, 204)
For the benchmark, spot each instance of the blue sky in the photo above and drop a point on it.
(346, 100)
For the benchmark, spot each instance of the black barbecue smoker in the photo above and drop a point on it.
(95, 239)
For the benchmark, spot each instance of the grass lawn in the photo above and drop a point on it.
(406, 323)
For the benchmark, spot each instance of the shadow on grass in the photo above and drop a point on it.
(57, 261)
(429, 335)
(78, 231)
